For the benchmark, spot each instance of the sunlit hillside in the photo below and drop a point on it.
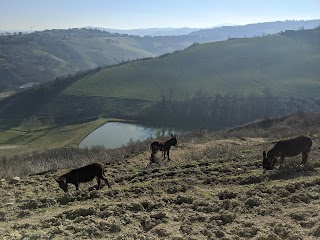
(40, 57)
(284, 65)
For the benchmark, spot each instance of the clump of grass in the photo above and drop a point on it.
(226, 195)
(300, 123)
(42, 161)
(67, 157)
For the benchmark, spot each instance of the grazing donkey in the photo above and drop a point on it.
(163, 146)
(83, 174)
(287, 148)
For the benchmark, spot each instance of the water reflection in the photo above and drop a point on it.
(117, 134)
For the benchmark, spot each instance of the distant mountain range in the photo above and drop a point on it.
(151, 31)
(253, 30)
(136, 32)
(224, 30)
(221, 31)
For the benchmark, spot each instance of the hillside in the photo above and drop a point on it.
(214, 187)
(215, 85)
(284, 65)
(40, 57)
(152, 31)
(44, 55)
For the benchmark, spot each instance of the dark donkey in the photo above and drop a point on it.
(83, 174)
(287, 148)
(163, 146)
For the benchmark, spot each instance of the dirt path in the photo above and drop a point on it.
(8, 147)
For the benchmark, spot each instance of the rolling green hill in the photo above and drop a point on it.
(46, 55)
(30, 59)
(43, 56)
(284, 65)
(240, 80)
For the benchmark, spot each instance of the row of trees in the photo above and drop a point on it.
(221, 111)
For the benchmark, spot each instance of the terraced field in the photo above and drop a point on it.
(212, 188)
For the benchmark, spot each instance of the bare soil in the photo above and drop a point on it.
(210, 189)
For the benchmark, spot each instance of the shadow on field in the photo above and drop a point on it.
(291, 172)
(21, 138)
(41, 135)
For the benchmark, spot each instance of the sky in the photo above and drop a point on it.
(134, 14)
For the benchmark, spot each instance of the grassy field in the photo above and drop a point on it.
(213, 188)
(283, 65)
(19, 140)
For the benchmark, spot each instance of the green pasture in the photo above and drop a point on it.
(18, 140)
(283, 65)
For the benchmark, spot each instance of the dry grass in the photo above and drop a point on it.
(201, 144)
(282, 127)
(213, 187)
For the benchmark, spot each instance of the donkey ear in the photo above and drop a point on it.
(264, 154)
(172, 135)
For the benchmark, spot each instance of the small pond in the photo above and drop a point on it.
(116, 134)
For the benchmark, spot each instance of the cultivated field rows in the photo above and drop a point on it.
(210, 189)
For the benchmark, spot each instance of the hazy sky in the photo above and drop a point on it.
(129, 14)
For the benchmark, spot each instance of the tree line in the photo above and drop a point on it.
(221, 111)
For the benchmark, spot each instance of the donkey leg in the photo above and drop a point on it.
(98, 182)
(281, 161)
(304, 157)
(100, 177)
(274, 161)
(168, 155)
(153, 149)
(104, 178)
(107, 182)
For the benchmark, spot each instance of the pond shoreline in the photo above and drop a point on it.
(116, 133)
